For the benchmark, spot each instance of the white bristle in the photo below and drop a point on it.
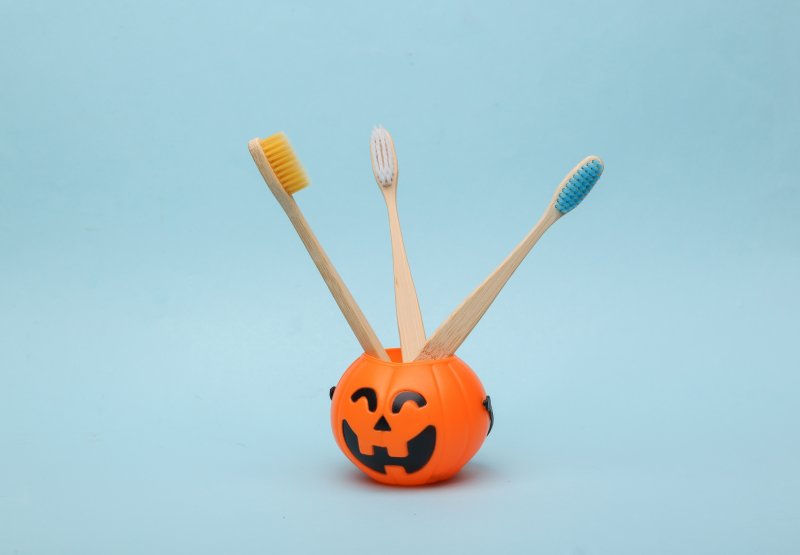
(382, 150)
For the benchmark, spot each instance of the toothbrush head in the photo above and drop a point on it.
(577, 184)
(384, 159)
(284, 162)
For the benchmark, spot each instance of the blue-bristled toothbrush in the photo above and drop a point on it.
(460, 323)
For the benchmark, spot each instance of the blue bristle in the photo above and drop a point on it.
(579, 185)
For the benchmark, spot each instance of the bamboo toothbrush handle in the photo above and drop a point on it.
(448, 338)
(347, 304)
(409, 317)
(352, 313)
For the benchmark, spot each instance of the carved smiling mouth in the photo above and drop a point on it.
(420, 451)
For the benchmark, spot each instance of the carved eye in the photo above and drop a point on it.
(405, 396)
(369, 393)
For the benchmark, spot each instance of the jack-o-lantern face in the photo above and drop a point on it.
(420, 447)
(409, 424)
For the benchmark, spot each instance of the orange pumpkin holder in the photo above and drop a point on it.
(409, 423)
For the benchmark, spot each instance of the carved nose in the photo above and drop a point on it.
(382, 425)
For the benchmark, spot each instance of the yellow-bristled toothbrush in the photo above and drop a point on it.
(409, 318)
(284, 176)
(570, 192)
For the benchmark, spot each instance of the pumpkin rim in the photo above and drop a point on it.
(396, 353)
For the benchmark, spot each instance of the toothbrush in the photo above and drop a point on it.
(572, 190)
(284, 176)
(409, 318)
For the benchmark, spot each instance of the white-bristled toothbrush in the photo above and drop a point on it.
(570, 192)
(409, 318)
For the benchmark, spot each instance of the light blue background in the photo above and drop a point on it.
(166, 345)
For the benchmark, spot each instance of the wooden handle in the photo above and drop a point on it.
(448, 338)
(347, 304)
(409, 317)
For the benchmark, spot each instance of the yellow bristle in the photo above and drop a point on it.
(284, 163)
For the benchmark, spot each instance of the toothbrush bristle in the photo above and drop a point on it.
(579, 183)
(382, 149)
(284, 162)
